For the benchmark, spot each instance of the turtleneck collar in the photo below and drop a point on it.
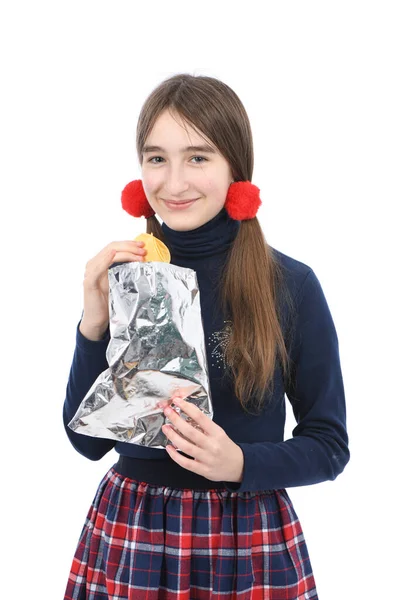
(212, 238)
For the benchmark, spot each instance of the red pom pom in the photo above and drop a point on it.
(134, 201)
(243, 200)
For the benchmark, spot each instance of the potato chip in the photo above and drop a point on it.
(156, 249)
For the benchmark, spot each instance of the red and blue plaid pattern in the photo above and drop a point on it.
(145, 542)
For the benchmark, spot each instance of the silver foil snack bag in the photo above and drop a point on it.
(156, 351)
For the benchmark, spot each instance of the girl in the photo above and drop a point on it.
(213, 520)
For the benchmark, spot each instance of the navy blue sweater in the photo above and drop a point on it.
(318, 450)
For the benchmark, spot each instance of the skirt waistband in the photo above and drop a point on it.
(165, 473)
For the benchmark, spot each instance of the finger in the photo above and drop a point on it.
(126, 249)
(130, 256)
(191, 465)
(125, 245)
(110, 256)
(96, 268)
(187, 427)
(175, 432)
(192, 411)
(184, 444)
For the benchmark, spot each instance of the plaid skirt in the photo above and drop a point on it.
(146, 542)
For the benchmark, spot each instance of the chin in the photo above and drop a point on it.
(181, 224)
(188, 220)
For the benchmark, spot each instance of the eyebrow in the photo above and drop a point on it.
(204, 148)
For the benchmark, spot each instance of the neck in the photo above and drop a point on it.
(213, 238)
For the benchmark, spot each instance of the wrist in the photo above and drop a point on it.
(240, 465)
(93, 333)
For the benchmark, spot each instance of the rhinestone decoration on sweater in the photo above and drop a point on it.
(220, 338)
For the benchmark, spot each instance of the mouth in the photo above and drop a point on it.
(180, 205)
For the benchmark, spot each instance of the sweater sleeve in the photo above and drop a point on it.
(318, 450)
(88, 362)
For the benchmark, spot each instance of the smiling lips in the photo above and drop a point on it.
(180, 205)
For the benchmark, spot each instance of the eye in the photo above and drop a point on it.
(156, 163)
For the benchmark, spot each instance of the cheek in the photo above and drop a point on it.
(217, 190)
(150, 184)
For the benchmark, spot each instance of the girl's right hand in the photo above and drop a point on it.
(95, 285)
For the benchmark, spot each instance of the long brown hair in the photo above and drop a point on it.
(252, 279)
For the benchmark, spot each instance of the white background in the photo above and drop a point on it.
(320, 82)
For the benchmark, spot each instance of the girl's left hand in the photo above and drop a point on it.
(216, 456)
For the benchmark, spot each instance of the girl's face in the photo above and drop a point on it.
(173, 172)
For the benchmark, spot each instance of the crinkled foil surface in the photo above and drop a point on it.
(156, 351)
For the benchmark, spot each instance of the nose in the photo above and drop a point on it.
(176, 183)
